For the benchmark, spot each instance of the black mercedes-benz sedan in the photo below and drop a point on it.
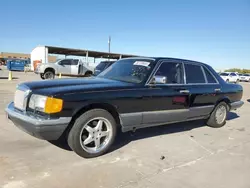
(132, 93)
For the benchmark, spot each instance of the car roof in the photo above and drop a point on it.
(168, 58)
(107, 61)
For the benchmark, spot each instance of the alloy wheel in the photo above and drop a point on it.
(221, 114)
(95, 135)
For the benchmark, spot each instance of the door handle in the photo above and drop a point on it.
(217, 90)
(184, 91)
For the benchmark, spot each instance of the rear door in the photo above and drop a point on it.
(166, 102)
(204, 90)
(75, 66)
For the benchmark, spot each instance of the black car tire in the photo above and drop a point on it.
(75, 135)
(42, 76)
(88, 74)
(49, 75)
(227, 81)
(212, 121)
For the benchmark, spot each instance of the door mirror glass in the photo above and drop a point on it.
(159, 80)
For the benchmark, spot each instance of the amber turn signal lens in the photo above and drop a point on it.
(53, 105)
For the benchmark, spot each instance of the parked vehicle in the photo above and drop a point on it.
(245, 78)
(230, 77)
(17, 65)
(65, 67)
(131, 94)
(102, 66)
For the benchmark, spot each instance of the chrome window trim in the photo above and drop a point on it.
(204, 74)
(217, 82)
(196, 64)
(184, 73)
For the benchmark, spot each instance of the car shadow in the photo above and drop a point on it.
(232, 115)
(6, 78)
(123, 139)
(61, 143)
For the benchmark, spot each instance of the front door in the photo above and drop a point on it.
(65, 66)
(166, 102)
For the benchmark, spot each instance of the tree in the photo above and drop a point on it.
(238, 70)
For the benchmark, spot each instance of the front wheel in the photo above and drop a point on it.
(92, 133)
(49, 75)
(219, 115)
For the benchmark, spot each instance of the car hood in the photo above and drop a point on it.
(64, 86)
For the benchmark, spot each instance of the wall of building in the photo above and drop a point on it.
(8, 55)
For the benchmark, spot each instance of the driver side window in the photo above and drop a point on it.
(172, 71)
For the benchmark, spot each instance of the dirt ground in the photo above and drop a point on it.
(188, 155)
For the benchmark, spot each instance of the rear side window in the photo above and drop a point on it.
(210, 78)
(194, 74)
(233, 74)
(74, 62)
(101, 66)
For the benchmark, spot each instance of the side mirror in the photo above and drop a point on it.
(159, 80)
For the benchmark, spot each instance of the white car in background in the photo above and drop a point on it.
(231, 77)
(245, 77)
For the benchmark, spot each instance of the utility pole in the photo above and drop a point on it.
(109, 42)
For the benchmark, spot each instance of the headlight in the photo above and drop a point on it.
(45, 104)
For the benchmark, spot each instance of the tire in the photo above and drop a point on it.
(49, 75)
(88, 74)
(85, 129)
(42, 76)
(214, 120)
(237, 81)
(227, 80)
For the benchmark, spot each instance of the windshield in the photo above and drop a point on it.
(101, 66)
(129, 70)
(224, 74)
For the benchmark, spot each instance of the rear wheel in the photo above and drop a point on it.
(92, 133)
(49, 75)
(219, 115)
(88, 73)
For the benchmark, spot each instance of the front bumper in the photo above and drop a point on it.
(46, 129)
(236, 105)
